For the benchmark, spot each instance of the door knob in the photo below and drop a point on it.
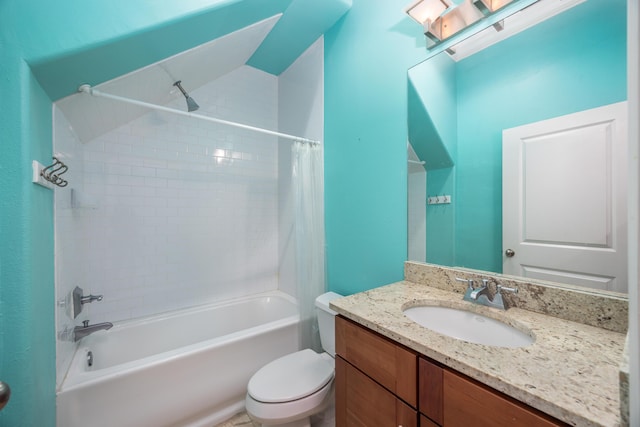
(5, 393)
(509, 253)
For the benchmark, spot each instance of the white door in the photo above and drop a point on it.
(564, 199)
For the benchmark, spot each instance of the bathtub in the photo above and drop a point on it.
(184, 368)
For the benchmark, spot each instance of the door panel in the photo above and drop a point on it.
(564, 199)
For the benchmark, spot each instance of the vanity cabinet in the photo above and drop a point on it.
(381, 383)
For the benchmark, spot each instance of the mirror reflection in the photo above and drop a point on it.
(550, 99)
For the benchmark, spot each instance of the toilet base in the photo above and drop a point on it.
(305, 422)
(272, 415)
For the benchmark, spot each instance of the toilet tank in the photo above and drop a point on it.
(326, 321)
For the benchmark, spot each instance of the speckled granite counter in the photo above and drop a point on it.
(571, 371)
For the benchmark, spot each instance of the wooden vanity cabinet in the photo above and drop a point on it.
(380, 383)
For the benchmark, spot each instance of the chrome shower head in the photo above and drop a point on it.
(191, 104)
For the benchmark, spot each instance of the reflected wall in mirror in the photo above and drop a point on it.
(459, 107)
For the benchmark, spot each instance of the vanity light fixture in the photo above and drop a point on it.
(425, 12)
(442, 19)
(487, 7)
(453, 22)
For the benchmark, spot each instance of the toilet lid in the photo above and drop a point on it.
(290, 377)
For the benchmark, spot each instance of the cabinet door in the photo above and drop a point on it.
(361, 402)
(391, 365)
(469, 404)
(430, 390)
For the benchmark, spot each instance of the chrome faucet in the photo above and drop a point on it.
(80, 332)
(481, 295)
(479, 291)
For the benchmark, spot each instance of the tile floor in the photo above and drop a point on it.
(323, 419)
(240, 420)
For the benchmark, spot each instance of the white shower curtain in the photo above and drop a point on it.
(308, 191)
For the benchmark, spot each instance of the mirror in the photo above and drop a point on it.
(460, 101)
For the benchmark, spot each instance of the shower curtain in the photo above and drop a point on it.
(308, 190)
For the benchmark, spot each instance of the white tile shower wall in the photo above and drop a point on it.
(187, 210)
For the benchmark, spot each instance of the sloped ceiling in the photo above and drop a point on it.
(267, 45)
(432, 111)
(423, 135)
(104, 60)
(91, 116)
(303, 22)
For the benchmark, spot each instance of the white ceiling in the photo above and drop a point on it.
(91, 116)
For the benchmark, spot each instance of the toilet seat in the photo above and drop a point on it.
(291, 377)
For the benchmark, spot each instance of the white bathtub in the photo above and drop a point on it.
(184, 368)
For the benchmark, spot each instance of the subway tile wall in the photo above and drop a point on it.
(171, 211)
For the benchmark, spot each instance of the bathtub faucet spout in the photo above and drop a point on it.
(80, 332)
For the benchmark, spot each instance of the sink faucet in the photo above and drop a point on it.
(80, 332)
(482, 290)
(472, 293)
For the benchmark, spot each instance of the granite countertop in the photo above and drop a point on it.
(570, 372)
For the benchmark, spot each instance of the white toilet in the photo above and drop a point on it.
(287, 391)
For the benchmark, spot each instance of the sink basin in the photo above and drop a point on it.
(467, 326)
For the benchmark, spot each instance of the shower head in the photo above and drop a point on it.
(191, 104)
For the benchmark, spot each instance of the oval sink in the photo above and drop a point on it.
(467, 326)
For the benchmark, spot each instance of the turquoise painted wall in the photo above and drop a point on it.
(27, 346)
(558, 67)
(367, 55)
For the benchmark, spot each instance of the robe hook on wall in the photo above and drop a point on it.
(50, 174)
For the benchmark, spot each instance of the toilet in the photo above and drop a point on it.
(287, 391)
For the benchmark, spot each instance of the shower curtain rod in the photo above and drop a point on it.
(91, 91)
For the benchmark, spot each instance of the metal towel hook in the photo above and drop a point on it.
(52, 173)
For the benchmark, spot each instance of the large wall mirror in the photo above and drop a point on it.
(558, 89)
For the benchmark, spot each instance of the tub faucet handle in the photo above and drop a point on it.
(90, 298)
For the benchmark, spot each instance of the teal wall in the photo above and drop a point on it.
(367, 55)
(561, 66)
(27, 347)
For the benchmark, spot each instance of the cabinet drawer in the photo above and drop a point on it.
(361, 402)
(466, 400)
(391, 365)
